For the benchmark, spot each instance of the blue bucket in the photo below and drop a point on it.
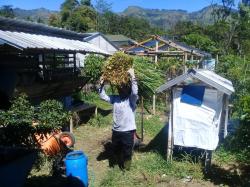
(76, 168)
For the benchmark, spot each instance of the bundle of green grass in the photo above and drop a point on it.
(116, 72)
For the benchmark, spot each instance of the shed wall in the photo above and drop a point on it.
(100, 42)
(197, 126)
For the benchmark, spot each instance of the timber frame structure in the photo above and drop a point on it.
(161, 46)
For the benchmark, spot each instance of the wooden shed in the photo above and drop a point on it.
(40, 60)
(198, 109)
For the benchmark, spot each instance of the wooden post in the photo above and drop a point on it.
(154, 99)
(226, 115)
(142, 116)
(217, 59)
(170, 130)
(74, 58)
(71, 125)
(156, 49)
(185, 61)
(96, 111)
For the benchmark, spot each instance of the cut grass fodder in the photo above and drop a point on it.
(149, 78)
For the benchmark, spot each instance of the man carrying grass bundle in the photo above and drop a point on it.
(124, 126)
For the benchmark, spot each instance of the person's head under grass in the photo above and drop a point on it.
(124, 90)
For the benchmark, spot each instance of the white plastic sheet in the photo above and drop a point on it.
(197, 126)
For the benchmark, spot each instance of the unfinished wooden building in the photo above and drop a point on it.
(160, 46)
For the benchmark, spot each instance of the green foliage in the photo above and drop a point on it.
(171, 66)
(199, 41)
(152, 124)
(149, 79)
(67, 8)
(100, 121)
(7, 11)
(82, 19)
(103, 6)
(184, 28)
(94, 98)
(93, 65)
(51, 116)
(150, 169)
(132, 27)
(237, 70)
(20, 112)
(78, 17)
(86, 2)
(245, 106)
(17, 122)
(55, 20)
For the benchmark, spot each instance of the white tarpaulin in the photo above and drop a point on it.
(197, 126)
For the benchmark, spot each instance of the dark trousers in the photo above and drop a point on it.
(123, 143)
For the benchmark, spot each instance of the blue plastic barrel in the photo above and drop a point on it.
(76, 168)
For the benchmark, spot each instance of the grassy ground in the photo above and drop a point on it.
(149, 166)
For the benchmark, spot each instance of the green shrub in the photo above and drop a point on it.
(93, 65)
(17, 123)
(51, 116)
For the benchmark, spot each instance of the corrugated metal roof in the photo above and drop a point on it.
(96, 34)
(38, 28)
(206, 76)
(118, 38)
(23, 40)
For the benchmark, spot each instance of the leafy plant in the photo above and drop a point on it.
(172, 67)
(17, 123)
(93, 67)
(149, 78)
(51, 116)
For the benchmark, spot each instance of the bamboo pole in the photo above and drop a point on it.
(71, 125)
(170, 130)
(156, 50)
(226, 116)
(142, 120)
(154, 101)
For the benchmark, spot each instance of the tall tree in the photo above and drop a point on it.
(55, 20)
(221, 13)
(67, 8)
(103, 6)
(244, 29)
(7, 11)
(86, 3)
(82, 19)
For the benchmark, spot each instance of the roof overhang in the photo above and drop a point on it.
(38, 42)
(206, 76)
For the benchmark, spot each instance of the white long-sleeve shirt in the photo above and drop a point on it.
(123, 109)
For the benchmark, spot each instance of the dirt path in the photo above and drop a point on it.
(91, 141)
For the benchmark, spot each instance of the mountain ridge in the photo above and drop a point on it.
(164, 18)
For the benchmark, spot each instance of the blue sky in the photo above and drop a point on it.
(117, 5)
